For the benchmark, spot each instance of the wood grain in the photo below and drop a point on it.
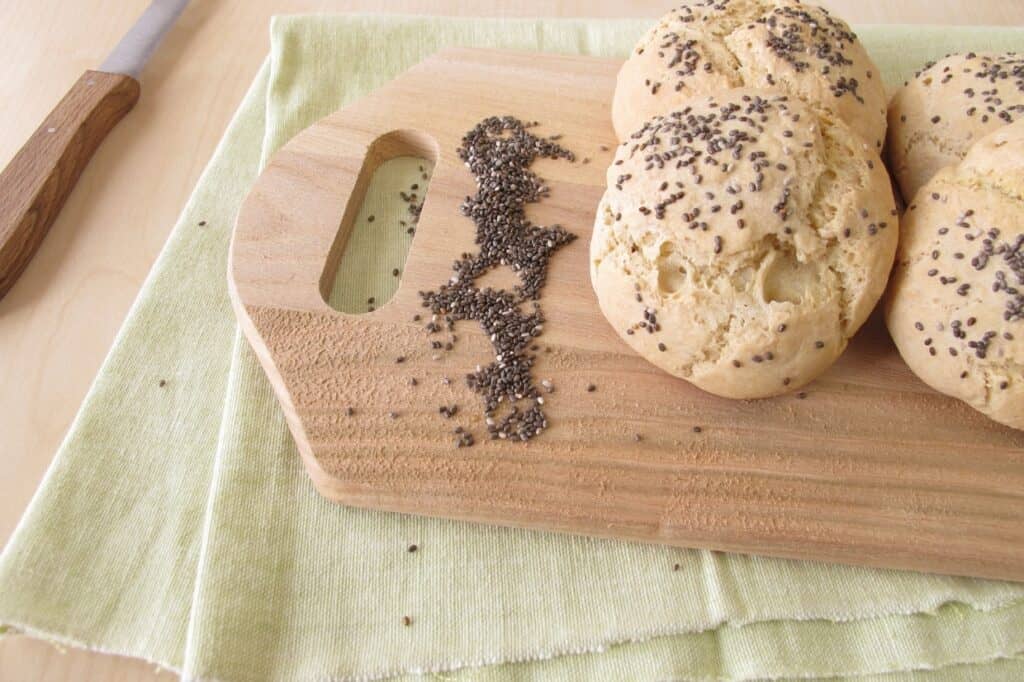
(57, 324)
(38, 180)
(870, 468)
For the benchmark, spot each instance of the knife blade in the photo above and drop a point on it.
(40, 177)
(138, 44)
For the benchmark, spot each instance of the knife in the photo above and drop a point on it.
(37, 181)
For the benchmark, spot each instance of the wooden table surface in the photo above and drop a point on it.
(58, 321)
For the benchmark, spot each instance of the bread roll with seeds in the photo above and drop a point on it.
(956, 303)
(948, 106)
(742, 241)
(702, 48)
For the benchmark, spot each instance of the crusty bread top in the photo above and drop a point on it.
(949, 105)
(703, 47)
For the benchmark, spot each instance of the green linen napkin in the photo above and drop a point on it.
(177, 524)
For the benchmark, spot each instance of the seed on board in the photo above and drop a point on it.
(498, 152)
(591, 388)
(349, 411)
(697, 429)
(162, 383)
(413, 548)
(406, 621)
(370, 219)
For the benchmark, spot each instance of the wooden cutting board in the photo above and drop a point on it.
(870, 467)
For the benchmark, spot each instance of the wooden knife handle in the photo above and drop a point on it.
(42, 174)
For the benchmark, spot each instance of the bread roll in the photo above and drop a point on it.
(742, 240)
(956, 304)
(948, 106)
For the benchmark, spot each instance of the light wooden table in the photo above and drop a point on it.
(59, 320)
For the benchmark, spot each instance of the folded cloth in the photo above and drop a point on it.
(177, 524)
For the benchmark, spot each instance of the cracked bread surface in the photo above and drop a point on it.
(702, 48)
(955, 307)
(742, 240)
(948, 106)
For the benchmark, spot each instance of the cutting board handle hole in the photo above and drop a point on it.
(367, 260)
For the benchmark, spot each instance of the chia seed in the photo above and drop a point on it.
(499, 152)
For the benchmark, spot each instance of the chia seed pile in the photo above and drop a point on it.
(499, 152)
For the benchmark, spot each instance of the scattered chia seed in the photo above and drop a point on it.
(412, 548)
(162, 383)
(591, 388)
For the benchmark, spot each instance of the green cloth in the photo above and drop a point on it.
(177, 523)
